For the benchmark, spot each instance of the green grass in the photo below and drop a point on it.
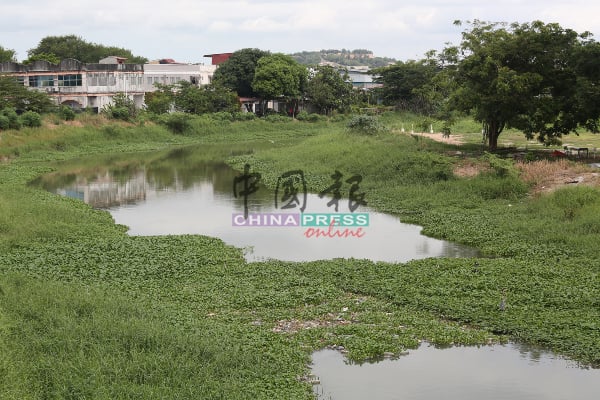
(89, 312)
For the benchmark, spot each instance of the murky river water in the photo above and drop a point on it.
(174, 194)
(501, 372)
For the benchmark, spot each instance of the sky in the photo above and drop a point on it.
(185, 30)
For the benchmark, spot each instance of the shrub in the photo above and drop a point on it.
(4, 122)
(122, 107)
(66, 113)
(222, 116)
(13, 118)
(365, 124)
(243, 116)
(304, 116)
(178, 123)
(277, 118)
(31, 119)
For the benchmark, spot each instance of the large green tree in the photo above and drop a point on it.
(279, 76)
(408, 85)
(72, 46)
(237, 73)
(329, 90)
(7, 55)
(536, 77)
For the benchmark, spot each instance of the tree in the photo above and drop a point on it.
(16, 96)
(192, 99)
(408, 85)
(329, 90)
(534, 77)
(279, 76)
(71, 46)
(51, 58)
(237, 73)
(7, 55)
(160, 100)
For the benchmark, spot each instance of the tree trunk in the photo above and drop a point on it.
(492, 130)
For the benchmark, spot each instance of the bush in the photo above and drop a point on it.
(13, 118)
(365, 124)
(66, 113)
(312, 117)
(243, 116)
(122, 107)
(4, 122)
(222, 116)
(31, 119)
(178, 123)
(277, 118)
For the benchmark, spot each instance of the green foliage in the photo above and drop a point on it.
(365, 124)
(7, 55)
(122, 107)
(177, 122)
(410, 86)
(51, 58)
(502, 167)
(14, 95)
(185, 316)
(277, 118)
(66, 113)
(13, 118)
(329, 91)
(160, 100)
(237, 73)
(4, 122)
(72, 46)
(312, 117)
(278, 75)
(31, 119)
(204, 99)
(528, 76)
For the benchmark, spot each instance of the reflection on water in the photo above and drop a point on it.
(499, 372)
(182, 193)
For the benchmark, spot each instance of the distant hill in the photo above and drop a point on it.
(348, 58)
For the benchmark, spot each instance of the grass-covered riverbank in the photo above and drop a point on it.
(87, 311)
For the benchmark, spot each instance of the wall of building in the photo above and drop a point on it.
(93, 86)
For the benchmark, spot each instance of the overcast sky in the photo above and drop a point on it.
(185, 30)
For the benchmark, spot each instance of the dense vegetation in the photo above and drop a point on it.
(87, 311)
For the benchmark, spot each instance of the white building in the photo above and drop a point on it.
(93, 86)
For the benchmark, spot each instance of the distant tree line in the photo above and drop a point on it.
(539, 78)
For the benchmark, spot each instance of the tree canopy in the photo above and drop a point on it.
(279, 75)
(536, 77)
(329, 90)
(189, 98)
(406, 85)
(72, 46)
(7, 55)
(237, 73)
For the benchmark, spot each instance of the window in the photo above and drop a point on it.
(41, 81)
(69, 80)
